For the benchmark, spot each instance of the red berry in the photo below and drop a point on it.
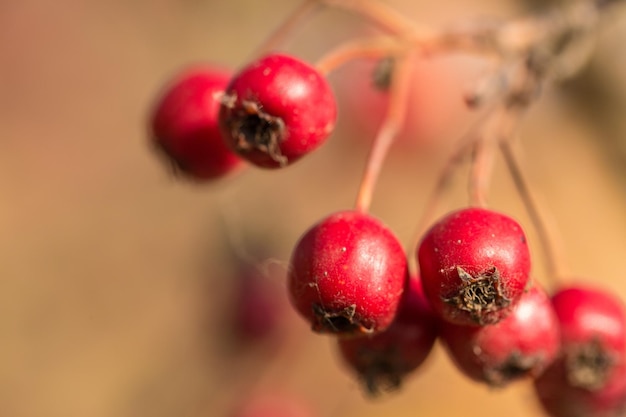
(273, 404)
(277, 110)
(590, 377)
(561, 399)
(383, 360)
(347, 274)
(591, 320)
(185, 126)
(474, 265)
(433, 101)
(257, 307)
(522, 344)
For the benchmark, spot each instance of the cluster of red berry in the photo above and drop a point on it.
(349, 276)
(271, 113)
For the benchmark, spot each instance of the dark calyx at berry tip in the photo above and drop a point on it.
(175, 165)
(479, 296)
(380, 373)
(383, 73)
(342, 322)
(255, 130)
(516, 366)
(588, 365)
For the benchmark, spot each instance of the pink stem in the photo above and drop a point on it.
(394, 119)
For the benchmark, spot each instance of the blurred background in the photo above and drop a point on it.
(118, 282)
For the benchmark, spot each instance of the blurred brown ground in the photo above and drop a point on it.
(112, 275)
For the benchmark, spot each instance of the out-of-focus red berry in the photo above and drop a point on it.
(184, 124)
(382, 361)
(522, 344)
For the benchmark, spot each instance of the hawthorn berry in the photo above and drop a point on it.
(185, 128)
(559, 398)
(593, 328)
(522, 344)
(276, 110)
(433, 99)
(347, 274)
(382, 361)
(273, 404)
(257, 308)
(474, 265)
(589, 379)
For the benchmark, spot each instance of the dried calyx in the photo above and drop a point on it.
(256, 130)
(344, 321)
(588, 365)
(479, 296)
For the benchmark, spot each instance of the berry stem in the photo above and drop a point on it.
(555, 264)
(477, 40)
(394, 119)
(298, 16)
(464, 146)
(385, 17)
(481, 169)
(357, 49)
(442, 184)
(502, 39)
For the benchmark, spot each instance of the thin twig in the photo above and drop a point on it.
(555, 264)
(463, 147)
(305, 10)
(377, 47)
(442, 184)
(481, 169)
(391, 125)
(385, 17)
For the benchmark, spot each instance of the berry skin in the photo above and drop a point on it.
(523, 344)
(277, 110)
(474, 265)
(184, 124)
(591, 321)
(273, 404)
(589, 379)
(435, 87)
(347, 275)
(383, 360)
(560, 399)
(258, 309)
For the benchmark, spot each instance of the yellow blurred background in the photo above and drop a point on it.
(114, 277)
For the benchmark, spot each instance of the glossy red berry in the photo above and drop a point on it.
(277, 110)
(185, 128)
(474, 265)
(589, 379)
(347, 274)
(523, 344)
(382, 361)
